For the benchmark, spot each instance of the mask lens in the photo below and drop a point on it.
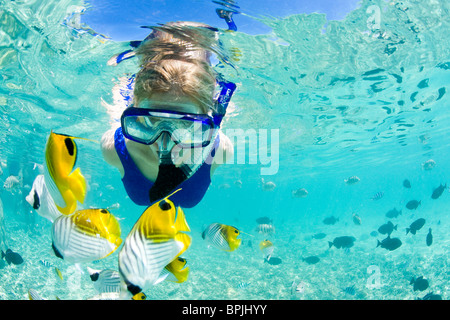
(138, 129)
(189, 132)
(192, 134)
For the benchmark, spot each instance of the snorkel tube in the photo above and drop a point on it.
(169, 175)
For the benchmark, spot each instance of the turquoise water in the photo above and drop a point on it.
(364, 96)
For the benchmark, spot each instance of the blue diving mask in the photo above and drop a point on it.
(188, 130)
(145, 125)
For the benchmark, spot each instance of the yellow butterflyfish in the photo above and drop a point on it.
(86, 235)
(222, 236)
(176, 271)
(66, 186)
(157, 238)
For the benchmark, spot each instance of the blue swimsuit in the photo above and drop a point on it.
(138, 186)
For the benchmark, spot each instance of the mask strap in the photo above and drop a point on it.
(222, 101)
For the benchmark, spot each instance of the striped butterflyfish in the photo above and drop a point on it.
(66, 186)
(106, 280)
(86, 235)
(41, 200)
(116, 296)
(222, 236)
(267, 248)
(34, 295)
(157, 238)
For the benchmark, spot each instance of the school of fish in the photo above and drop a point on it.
(151, 252)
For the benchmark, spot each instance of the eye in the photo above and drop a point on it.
(164, 205)
(70, 145)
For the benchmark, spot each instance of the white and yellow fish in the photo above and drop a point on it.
(41, 200)
(157, 238)
(66, 186)
(222, 236)
(85, 236)
(267, 248)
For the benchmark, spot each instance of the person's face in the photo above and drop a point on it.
(168, 101)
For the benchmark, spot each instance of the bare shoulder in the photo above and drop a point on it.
(109, 151)
(224, 151)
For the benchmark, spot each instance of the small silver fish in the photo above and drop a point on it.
(350, 290)
(298, 287)
(429, 164)
(45, 263)
(265, 228)
(268, 186)
(12, 183)
(378, 195)
(243, 285)
(300, 193)
(352, 180)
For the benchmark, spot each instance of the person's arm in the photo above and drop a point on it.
(225, 151)
(109, 150)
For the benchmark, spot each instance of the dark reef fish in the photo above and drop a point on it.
(420, 283)
(413, 204)
(319, 235)
(311, 259)
(264, 220)
(393, 213)
(390, 243)
(330, 220)
(387, 228)
(12, 257)
(406, 183)
(429, 237)
(438, 191)
(431, 296)
(342, 242)
(273, 261)
(415, 226)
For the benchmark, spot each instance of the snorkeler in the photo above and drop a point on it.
(170, 133)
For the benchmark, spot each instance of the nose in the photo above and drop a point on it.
(164, 141)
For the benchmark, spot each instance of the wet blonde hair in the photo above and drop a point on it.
(177, 67)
